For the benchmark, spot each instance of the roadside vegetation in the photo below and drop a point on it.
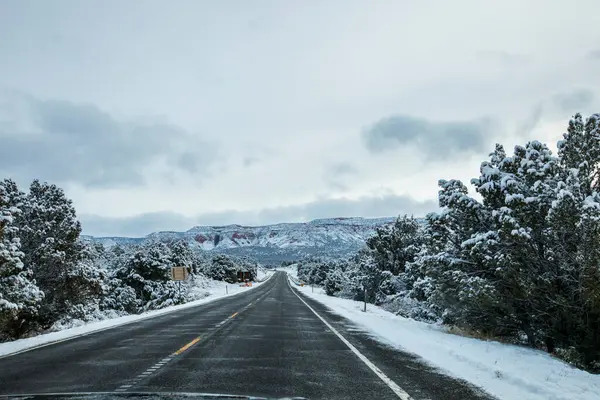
(50, 278)
(517, 261)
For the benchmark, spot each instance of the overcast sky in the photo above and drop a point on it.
(160, 115)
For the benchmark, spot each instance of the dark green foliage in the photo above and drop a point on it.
(392, 247)
(49, 233)
(49, 277)
(222, 268)
(521, 263)
(20, 298)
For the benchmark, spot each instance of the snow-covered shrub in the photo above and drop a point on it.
(334, 282)
(404, 305)
(119, 297)
(570, 355)
(162, 294)
(221, 268)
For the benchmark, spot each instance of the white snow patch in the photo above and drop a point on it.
(263, 273)
(291, 270)
(216, 290)
(505, 371)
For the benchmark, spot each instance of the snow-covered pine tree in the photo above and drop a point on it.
(523, 258)
(585, 291)
(524, 261)
(580, 149)
(151, 262)
(573, 282)
(50, 241)
(181, 253)
(221, 268)
(335, 281)
(148, 273)
(445, 273)
(20, 298)
(394, 246)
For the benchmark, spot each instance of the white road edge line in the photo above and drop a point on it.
(391, 384)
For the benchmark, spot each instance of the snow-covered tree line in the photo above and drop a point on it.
(518, 261)
(49, 277)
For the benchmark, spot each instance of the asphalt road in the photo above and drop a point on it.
(264, 342)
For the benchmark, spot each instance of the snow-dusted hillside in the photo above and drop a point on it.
(275, 243)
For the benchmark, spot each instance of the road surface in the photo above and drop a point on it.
(265, 342)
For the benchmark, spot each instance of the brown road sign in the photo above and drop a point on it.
(179, 273)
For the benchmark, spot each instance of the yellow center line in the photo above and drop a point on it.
(234, 314)
(187, 346)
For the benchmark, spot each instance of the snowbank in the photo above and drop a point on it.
(215, 290)
(506, 371)
(263, 274)
(291, 270)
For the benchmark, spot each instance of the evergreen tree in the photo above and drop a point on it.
(20, 298)
(148, 273)
(222, 268)
(580, 150)
(394, 246)
(51, 247)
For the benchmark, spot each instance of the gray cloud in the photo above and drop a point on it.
(594, 55)
(136, 225)
(504, 57)
(368, 206)
(250, 161)
(574, 101)
(558, 105)
(62, 141)
(434, 139)
(343, 168)
(337, 175)
(527, 125)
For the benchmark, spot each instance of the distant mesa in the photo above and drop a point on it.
(200, 239)
(271, 244)
(237, 235)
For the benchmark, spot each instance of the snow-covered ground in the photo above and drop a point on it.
(505, 371)
(211, 290)
(263, 273)
(291, 270)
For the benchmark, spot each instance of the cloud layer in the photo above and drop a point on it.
(436, 140)
(223, 107)
(67, 142)
(576, 100)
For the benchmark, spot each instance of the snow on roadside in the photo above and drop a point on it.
(215, 290)
(505, 371)
(263, 273)
(291, 270)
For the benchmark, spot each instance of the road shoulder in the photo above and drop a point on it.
(409, 371)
